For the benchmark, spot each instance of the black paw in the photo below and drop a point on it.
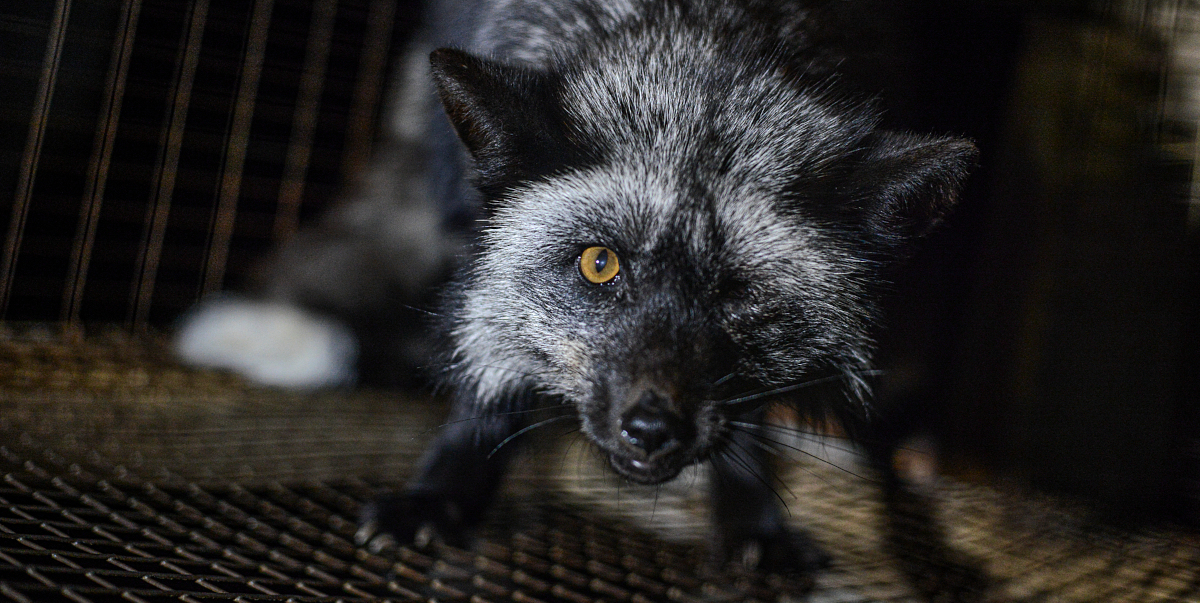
(410, 518)
(787, 552)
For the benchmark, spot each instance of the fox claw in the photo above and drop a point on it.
(409, 518)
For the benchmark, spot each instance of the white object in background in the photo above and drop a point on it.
(271, 343)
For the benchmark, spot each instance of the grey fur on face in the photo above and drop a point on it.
(705, 163)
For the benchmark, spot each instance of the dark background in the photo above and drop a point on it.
(1048, 335)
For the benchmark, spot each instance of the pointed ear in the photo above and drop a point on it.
(907, 183)
(500, 112)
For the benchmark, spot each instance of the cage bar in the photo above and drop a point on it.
(235, 151)
(101, 162)
(380, 24)
(168, 164)
(33, 149)
(304, 123)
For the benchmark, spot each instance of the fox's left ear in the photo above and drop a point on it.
(907, 183)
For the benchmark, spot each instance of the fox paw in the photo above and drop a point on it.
(410, 518)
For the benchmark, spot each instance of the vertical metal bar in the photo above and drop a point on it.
(304, 122)
(371, 74)
(33, 150)
(97, 174)
(235, 150)
(168, 163)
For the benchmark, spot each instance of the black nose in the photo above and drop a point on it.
(649, 425)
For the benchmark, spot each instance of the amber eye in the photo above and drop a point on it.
(599, 265)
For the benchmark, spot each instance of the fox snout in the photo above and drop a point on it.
(652, 438)
(651, 428)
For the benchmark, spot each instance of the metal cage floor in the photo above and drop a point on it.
(128, 478)
(65, 532)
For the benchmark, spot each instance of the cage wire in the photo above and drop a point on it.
(126, 478)
(151, 149)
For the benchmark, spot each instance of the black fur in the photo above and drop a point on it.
(751, 198)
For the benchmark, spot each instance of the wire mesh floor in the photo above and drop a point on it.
(69, 533)
(128, 478)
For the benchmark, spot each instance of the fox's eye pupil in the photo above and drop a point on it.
(601, 261)
(598, 265)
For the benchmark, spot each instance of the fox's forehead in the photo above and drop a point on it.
(699, 105)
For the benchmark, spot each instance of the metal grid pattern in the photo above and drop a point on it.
(99, 532)
(160, 483)
(66, 532)
(151, 148)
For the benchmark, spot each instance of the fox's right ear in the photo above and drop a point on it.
(907, 183)
(500, 112)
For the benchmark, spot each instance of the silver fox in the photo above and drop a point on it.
(683, 211)
(682, 202)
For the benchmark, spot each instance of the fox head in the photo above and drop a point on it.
(669, 229)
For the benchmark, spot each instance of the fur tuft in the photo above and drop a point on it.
(269, 343)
